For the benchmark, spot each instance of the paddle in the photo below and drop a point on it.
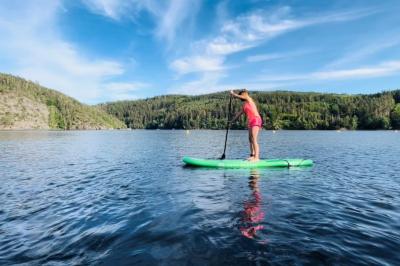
(227, 126)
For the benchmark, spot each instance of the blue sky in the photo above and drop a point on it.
(106, 50)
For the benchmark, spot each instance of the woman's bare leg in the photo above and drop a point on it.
(251, 145)
(254, 138)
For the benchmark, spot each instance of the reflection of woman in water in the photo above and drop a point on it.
(253, 214)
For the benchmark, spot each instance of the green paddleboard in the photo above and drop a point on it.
(246, 164)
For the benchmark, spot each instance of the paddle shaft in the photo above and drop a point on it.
(227, 126)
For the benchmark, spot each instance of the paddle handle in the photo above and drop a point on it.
(227, 126)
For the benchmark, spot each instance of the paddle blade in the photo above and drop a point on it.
(222, 157)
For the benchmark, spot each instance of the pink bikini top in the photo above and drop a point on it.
(251, 110)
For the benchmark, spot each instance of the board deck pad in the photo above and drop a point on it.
(246, 164)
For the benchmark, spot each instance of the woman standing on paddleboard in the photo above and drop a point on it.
(254, 122)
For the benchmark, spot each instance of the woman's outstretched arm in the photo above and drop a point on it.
(242, 97)
(237, 115)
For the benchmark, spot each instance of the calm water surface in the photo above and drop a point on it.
(124, 198)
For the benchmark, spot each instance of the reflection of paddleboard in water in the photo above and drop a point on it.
(253, 214)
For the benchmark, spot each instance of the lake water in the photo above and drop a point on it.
(124, 198)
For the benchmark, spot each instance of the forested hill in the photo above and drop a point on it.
(27, 105)
(281, 110)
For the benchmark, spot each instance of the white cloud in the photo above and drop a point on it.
(245, 32)
(210, 82)
(177, 12)
(364, 50)
(207, 83)
(123, 97)
(274, 56)
(380, 70)
(123, 90)
(342, 16)
(169, 16)
(278, 82)
(250, 30)
(265, 57)
(383, 69)
(124, 86)
(34, 49)
(115, 9)
(221, 46)
(197, 64)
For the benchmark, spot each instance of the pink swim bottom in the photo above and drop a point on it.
(255, 122)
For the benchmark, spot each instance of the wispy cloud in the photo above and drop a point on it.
(275, 56)
(386, 68)
(265, 57)
(125, 86)
(32, 44)
(177, 12)
(382, 69)
(114, 9)
(169, 16)
(208, 82)
(248, 31)
(123, 90)
(363, 51)
(197, 64)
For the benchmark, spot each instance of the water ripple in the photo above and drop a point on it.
(123, 198)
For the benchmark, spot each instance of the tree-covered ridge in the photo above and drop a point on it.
(20, 98)
(280, 109)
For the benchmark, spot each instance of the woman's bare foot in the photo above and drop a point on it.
(254, 159)
(250, 158)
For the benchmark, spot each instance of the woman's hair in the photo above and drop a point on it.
(243, 91)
